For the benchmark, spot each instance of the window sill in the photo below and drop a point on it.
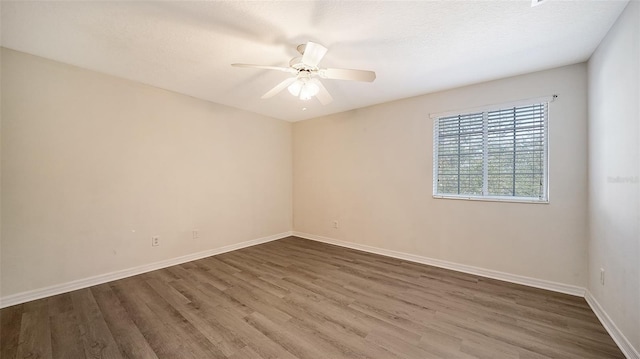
(494, 199)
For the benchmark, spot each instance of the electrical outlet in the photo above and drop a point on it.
(602, 276)
(155, 241)
(335, 224)
(195, 234)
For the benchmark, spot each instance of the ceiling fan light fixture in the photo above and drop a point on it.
(309, 90)
(304, 88)
(296, 87)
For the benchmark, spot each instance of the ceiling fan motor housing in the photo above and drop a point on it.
(297, 64)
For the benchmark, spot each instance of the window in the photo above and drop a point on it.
(496, 154)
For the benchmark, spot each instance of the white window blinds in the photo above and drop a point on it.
(496, 154)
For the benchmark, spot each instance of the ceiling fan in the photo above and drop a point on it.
(305, 84)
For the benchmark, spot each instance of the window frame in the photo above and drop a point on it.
(484, 110)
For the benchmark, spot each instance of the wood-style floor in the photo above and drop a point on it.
(295, 298)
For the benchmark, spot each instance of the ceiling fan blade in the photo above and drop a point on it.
(279, 87)
(323, 95)
(313, 53)
(283, 69)
(347, 74)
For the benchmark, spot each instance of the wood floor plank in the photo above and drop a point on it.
(338, 337)
(160, 337)
(96, 336)
(128, 337)
(201, 312)
(299, 344)
(66, 341)
(253, 338)
(59, 304)
(204, 320)
(324, 311)
(246, 353)
(260, 282)
(184, 331)
(259, 301)
(193, 291)
(10, 325)
(35, 332)
(298, 299)
(440, 344)
(396, 345)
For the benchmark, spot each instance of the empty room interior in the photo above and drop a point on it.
(320, 179)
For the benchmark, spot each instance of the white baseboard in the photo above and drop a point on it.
(107, 277)
(623, 343)
(507, 277)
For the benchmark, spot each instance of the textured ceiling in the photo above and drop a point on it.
(414, 47)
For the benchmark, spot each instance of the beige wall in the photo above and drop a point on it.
(93, 166)
(371, 169)
(614, 167)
